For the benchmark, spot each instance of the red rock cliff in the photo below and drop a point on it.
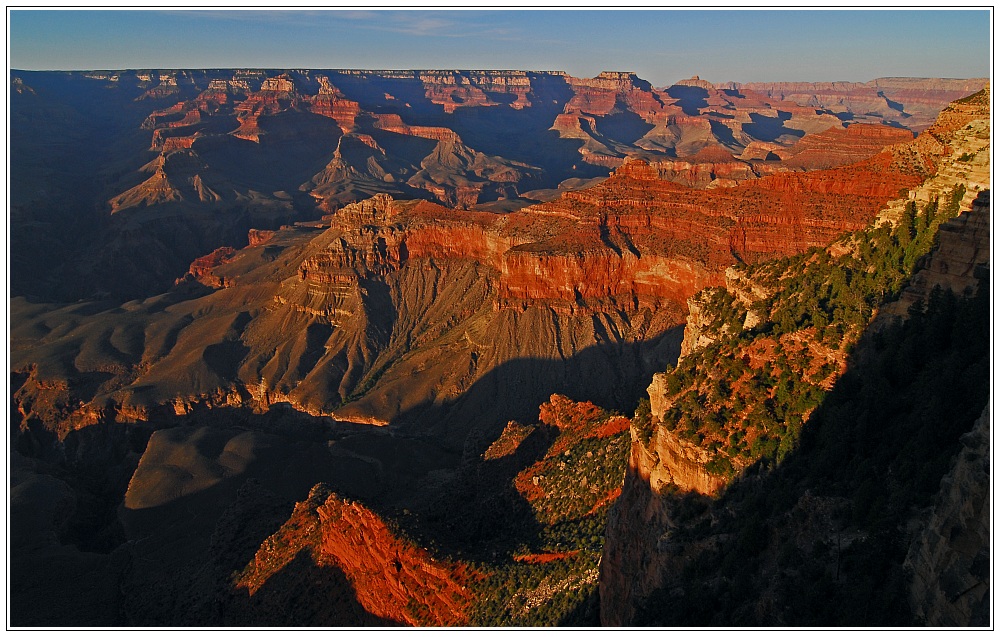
(391, 578)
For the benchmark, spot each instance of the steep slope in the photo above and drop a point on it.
(391, 579)
(838, 146)
(783, 377)
(948, 562)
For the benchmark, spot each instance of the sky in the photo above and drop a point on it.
(661, 46)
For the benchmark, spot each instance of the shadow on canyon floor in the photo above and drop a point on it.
(613, 375)
(424, 473)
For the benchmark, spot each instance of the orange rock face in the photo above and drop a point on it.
(202, 268)
(203, 265)
(634, 236)
(330, 102)
(392, 579)
(256, 237)
(635, 233)
(394, 124)
(839, 146)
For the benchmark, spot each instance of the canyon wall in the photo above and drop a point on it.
(948, 562)
(159, 167)
(649, 553)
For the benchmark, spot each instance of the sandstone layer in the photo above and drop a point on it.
(188, 161)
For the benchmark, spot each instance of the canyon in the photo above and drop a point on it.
(335, 348)
(161, 167)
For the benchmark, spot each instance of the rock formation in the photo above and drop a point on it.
(949, 560)
(838, 146)
(957, 264)
(648, 550)
(392, 580)
(207, 172)
(888, 97)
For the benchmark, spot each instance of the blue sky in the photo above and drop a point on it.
(661, 46)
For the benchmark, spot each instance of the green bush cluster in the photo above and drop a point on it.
(744, 413)
(573, 480)
(504, 596)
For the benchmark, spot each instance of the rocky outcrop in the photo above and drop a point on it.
(959, 262)
(838, 146)
(711, 167)
(599, 95)
(178, 176)
(530, 273)
(256, 237)
(331, 102)
(949, 561)
(392, 579)
(394, 124)
(963, 246)
(668, 460)
(201, 268)
(697, 334)
(276, 94)
(640, 556)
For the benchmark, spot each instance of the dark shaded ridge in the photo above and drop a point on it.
(329, 600)
(769, 129)
(489, 131)
(303, 141)
(624, 125)
(67, 148)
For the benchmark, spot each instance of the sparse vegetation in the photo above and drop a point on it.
(821, 540)
(746, 396)
(547, 575)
